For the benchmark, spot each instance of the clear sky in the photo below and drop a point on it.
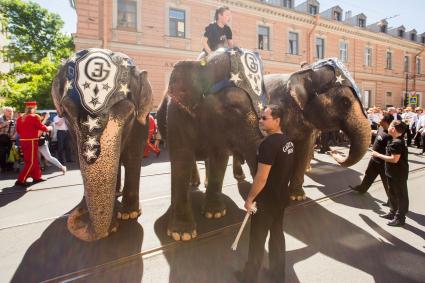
(410, 12)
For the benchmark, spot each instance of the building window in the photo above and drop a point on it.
(127, 14)
(368, 57)
(423, 39)
(312, 9)
(337, 16)
(343, 51)
(389, 94)
(320, 48)
(389, 65)
(263, 38)
(273, 2)
(384, 28)
(401, 33)
(406, 64)
(177, 23)
(418, 65)
(288, 3)
(293, 43)
(413, 36)
(362, 23)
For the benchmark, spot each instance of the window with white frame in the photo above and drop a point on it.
(406, 64)
(293, 43)
(401, 33)
(418, 65)
(362, 23)
(320, 48)
(413, 36)
(343, 51)
(368, 56)
(177, 19)
(273, 2)
(383, 28)
(288, 3)
(389, 61)
(127, 14)
(263, 38)
(337, 16)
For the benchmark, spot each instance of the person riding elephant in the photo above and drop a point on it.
(105, 99)
(203, 123)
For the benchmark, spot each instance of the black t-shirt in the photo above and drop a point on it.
(399, 170)
(276, 150)
(217, 35)
(380, 144)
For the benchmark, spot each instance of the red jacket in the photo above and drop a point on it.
(28, 126)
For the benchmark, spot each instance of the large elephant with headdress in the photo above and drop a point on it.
(207, 113)
(105, 99)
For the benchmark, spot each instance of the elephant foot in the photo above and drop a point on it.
(185, 236)
(297, 194)
(182, 228)
(79, 225)
(129, 214)
(214, 207)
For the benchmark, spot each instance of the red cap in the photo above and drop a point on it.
(31, 104)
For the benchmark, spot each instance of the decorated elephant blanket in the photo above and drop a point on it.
(246, 73)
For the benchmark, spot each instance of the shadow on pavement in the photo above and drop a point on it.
(57, 252)
(163, 157)
(332, 236)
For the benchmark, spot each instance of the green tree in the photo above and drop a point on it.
(36, 48)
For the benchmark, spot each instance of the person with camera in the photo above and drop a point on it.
(7, 138)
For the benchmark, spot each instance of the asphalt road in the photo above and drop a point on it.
(333, 236)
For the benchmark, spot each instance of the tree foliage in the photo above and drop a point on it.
(36, 48)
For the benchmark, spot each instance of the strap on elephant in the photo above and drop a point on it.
(246, 73)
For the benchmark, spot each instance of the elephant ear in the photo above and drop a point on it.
(57, 90)
(141, 94)
(299, 85)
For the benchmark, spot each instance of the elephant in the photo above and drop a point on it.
(203, 126)
(105, 99)
(322, 97)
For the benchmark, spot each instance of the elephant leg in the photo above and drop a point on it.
(301, 159)
(214, 206)
(238, 173)
(181, 225)
(195, 181)
(131, 158)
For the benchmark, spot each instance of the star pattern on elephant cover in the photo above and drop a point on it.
(247, 74)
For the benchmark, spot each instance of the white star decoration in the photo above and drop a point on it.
(232, 52)
(91, 142)
(260, 106)
(92, 123)
(89, 154)
(235, 78)
(339, 79)
(124, 89)
(124, 63)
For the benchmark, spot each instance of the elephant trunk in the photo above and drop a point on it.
(97, 220)
(358, 130)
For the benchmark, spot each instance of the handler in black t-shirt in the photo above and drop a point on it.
(376, 165)
(271, 193)
(397, 171)
(217, 33)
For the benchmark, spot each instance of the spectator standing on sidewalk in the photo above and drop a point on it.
(7, 137)
(397, 171)
(64, 147)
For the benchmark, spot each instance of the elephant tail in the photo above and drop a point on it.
(161, 117)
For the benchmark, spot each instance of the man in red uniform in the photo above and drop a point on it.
(28, 126)
(150, 146)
